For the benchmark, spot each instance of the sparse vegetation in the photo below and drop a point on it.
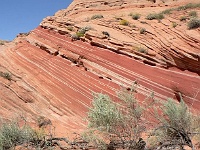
(119, 127)
(124, 22)
(188, 6)
(193, 14)
(70, 28)
(97, 17)
(194, 23)
(167, 11)
(120, 122)
(135, 16)
(142, 50)
(12, 134)
(6, 75)
(153, 16)
(2, 43)
(183, 18)
(80, 33)
(174, 24)
(142, 30)
(176, 125)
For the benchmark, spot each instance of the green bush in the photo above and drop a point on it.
(124, 22)
(123, 123)
(6, 75)
(174, 24)
(96, 17)
(136, 16)
(167, 11)
(194, 23)
(153, 16)
(70, 28)
(11, 135)
(142, 30)
(189, 6)
(175, 125)
(80, 33)
(115, 122)
(104, 114)
(193, 14)
(142, 50)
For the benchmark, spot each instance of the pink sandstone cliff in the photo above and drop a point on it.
(54, 76)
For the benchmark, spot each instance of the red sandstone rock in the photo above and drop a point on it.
(54, 77)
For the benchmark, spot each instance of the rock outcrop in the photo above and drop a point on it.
(54, 75)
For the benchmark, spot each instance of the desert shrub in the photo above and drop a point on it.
(106, 33)
(11, 135)
(195, 125)
(6, 75)
(142, 30)
(75, 37)
(118, 122)
(193, 23)
(124, 22)
(96, 17)
(153, 16)
(183, 18)
(193, 14)
(142, 50)
(188, 6)
(97, 140)
(167, 11)
(80, 33)
(70, 28)
(174, 24)
(136, 16)
(122, 124)
(104, 114)
(175, 125)
(2, 43)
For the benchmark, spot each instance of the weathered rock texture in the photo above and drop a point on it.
(54, 76)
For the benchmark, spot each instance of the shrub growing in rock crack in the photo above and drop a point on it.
(96, 17)
(193, 14)
(136, 16)
(124, 22)
(174, 24)
(6, 75)
(193, 23)
(142, 30)
(80, 33)
(153, 16)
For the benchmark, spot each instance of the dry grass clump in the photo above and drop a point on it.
(124, 22)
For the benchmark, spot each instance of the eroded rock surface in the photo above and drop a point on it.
(54, 76)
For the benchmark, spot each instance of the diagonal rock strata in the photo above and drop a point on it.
(54, 76)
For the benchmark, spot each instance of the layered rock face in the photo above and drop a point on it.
(54, 75)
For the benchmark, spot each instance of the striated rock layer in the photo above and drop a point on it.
(54, 76)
